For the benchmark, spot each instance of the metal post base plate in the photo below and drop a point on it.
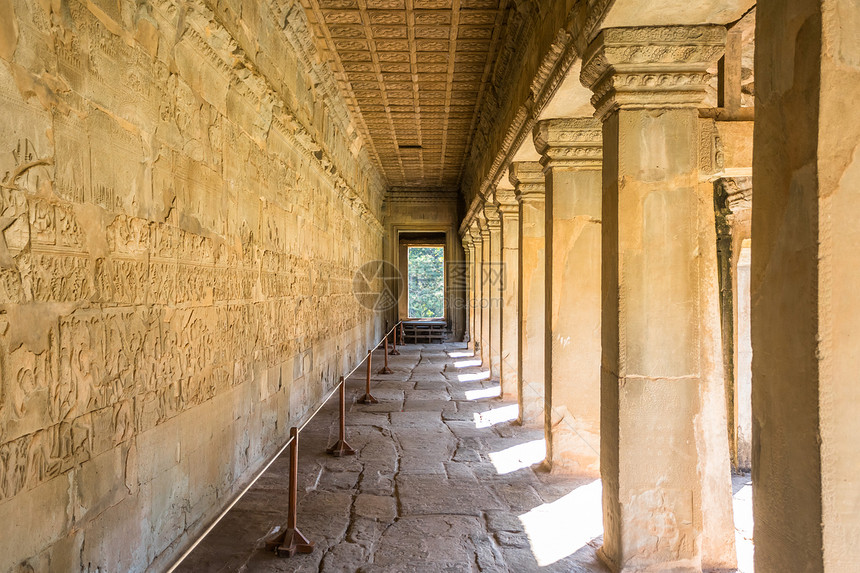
(394, 352)
(341, 448)
(368, 399)
(385, 370)
(289, 542)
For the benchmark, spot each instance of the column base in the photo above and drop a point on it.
(671, 567)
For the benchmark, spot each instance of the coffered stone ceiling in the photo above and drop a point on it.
(414, 74)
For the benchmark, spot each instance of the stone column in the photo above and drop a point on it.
(664, 443)
(477, 265)
(572, 159)
(469, 251)
(528, 180)
(494, 285)
(733, 202)
(805, 283)
(509, 213)
(485, 292)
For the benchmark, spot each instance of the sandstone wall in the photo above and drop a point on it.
(175, 287)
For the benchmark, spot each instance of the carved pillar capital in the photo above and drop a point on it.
(491, 212)
(506, 201)
(475, 230)
(528, 179)
(569, 143)
(481, 226)
(657, 67)
(737, 194)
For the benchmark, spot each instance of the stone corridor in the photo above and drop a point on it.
(443, 481)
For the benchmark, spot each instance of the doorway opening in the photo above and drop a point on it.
(426, 282)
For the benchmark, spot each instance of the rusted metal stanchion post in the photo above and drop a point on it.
(394, 351)
(340, 447)
(291, 541)
(385, 369)
(402, 334)
(368, 397)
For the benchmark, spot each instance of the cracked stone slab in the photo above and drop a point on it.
(418, 568)
(426, 494)
(503, 521)
(465, 429)
(518, 496)
(381, 454)
(428, 379)
(343, 464)
(437, 394)
(378, 507)
(459, 417)
(267, 562)
(344, 558)
(385, 394)
(418, 419)
(333, 480)
(433, 385)
(421, 466)
(366, 532)
(376, 483)
(429, 406)
(383, 407)
(355, 417)
(433, 539)
(459, 471)
(512, 539)
(324, 514)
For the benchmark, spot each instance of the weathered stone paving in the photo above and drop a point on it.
(439, 483)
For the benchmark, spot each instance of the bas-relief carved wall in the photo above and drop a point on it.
(174, 284)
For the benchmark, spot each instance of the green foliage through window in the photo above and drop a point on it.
(426, 282)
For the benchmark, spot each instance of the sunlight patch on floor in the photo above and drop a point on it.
(559, 529)
(491, 392)
(483, 375)
(496, 416)
(466, 363)
(519, 456)
(460, 354)
(742, 506)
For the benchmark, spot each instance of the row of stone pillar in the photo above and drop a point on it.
(608, 329)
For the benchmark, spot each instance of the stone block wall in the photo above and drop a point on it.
(176, 182)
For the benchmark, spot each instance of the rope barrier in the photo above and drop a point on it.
(290, 540)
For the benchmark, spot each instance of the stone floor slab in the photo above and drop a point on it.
(422, 494)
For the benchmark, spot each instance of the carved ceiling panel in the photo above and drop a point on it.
(414, 74)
